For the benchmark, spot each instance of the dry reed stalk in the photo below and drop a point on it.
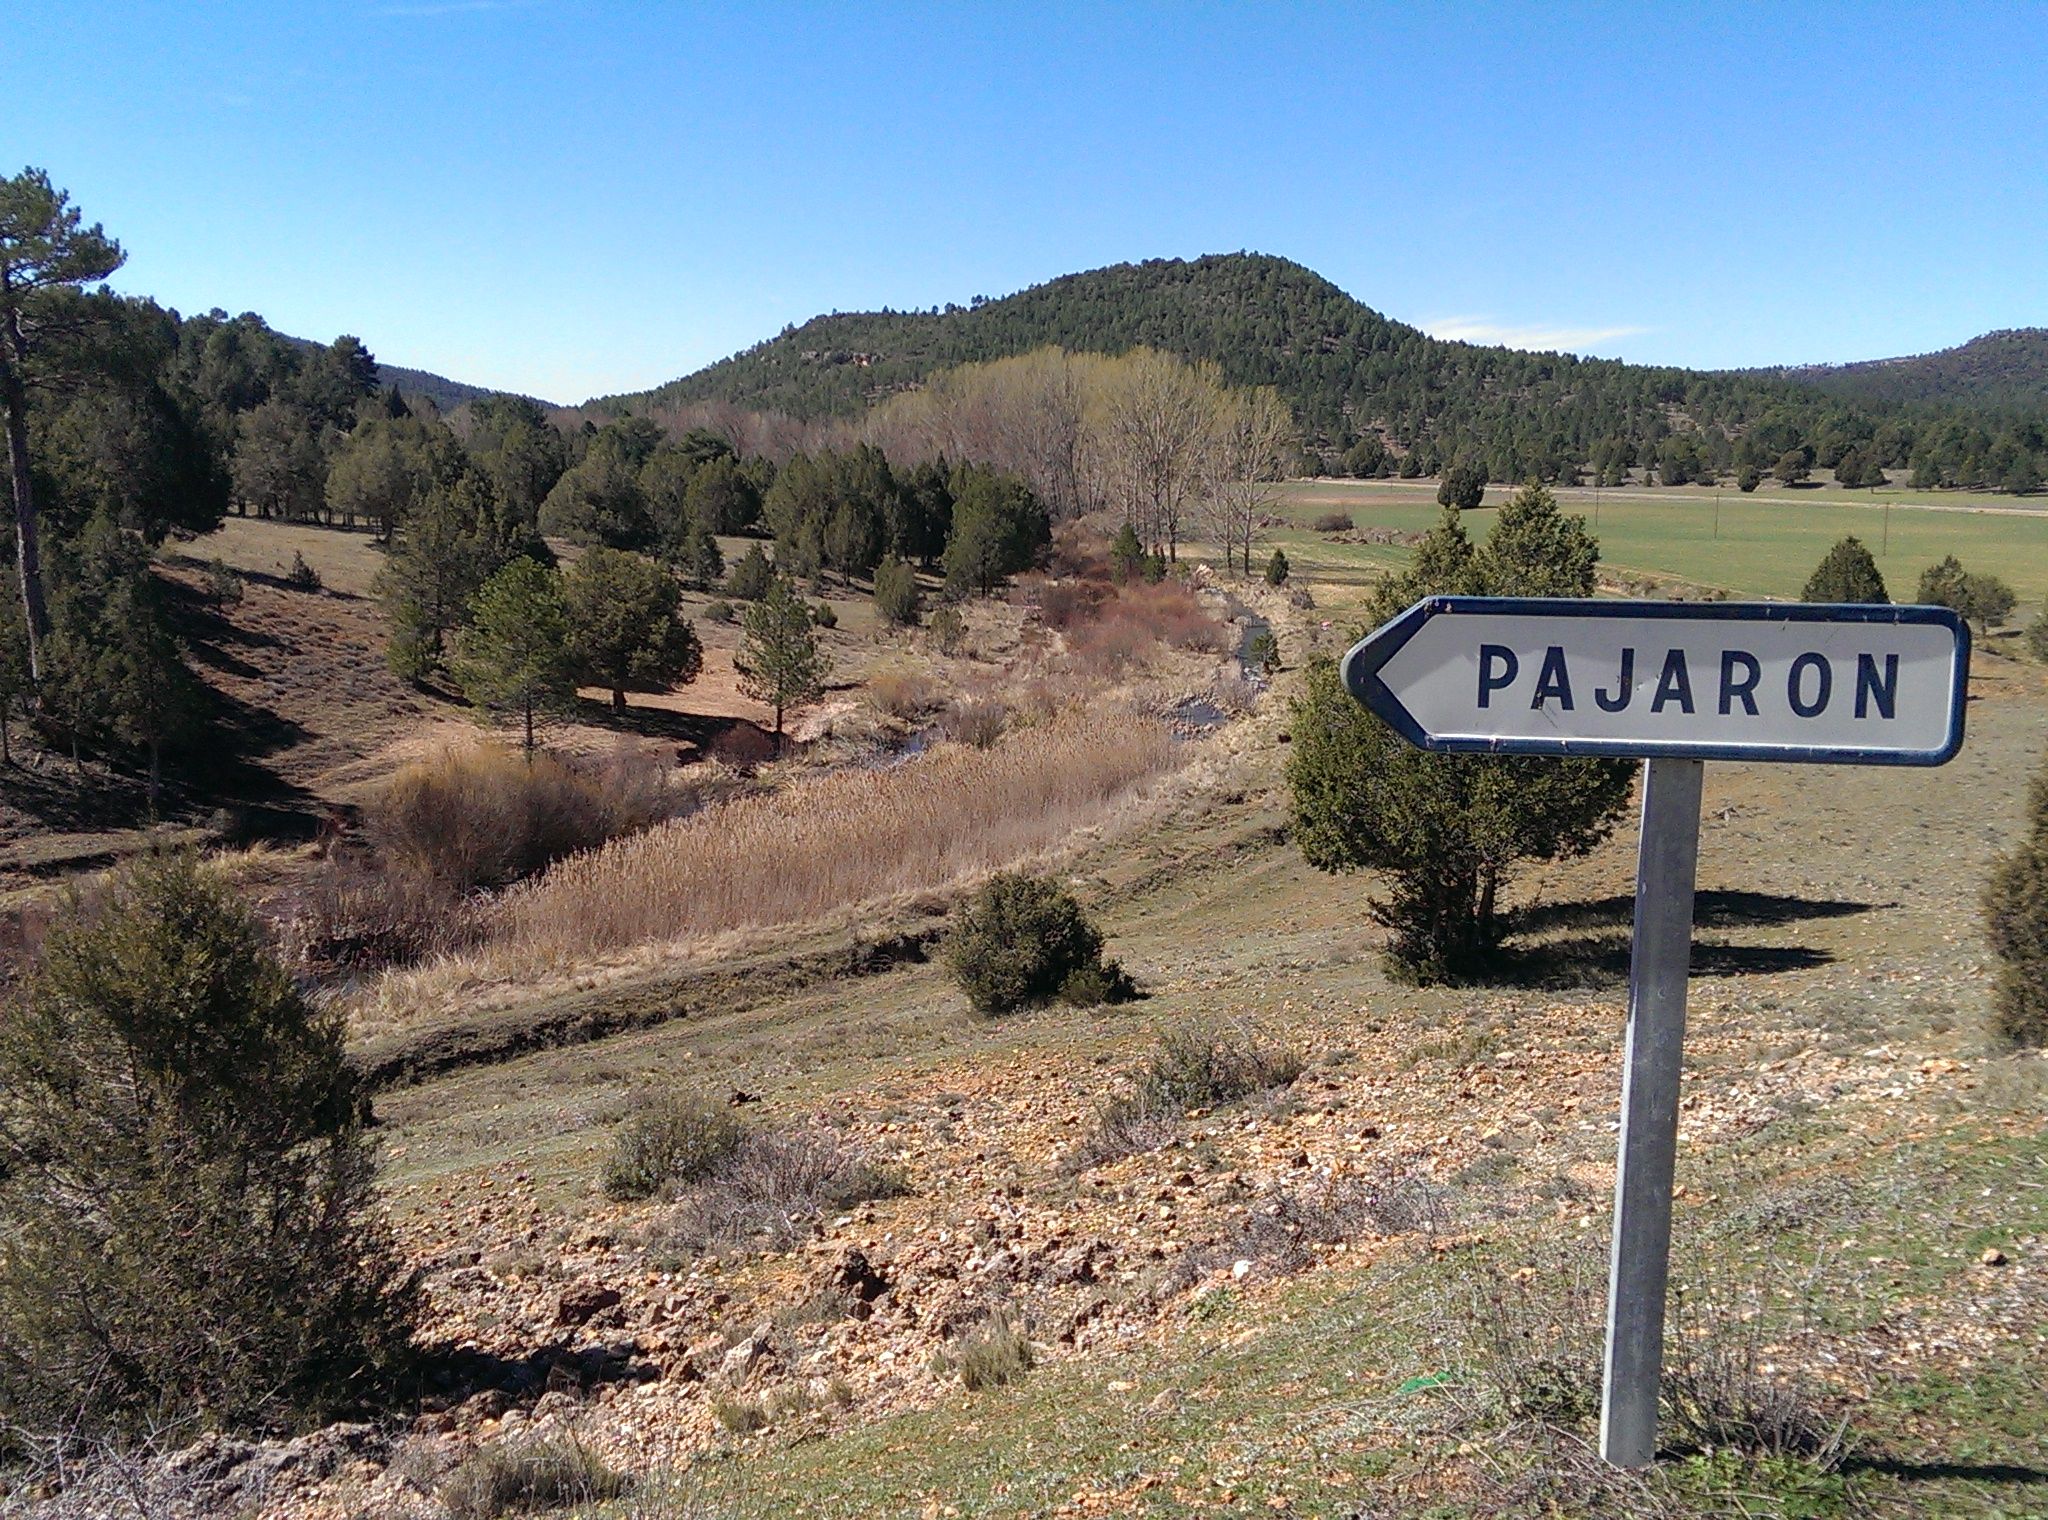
(809, 849)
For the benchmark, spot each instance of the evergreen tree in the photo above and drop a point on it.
(898, 600)
(17, 682)
(2016, 925)
(186, 1179)
(1792, 467)
(999, 529)
(625, 629)
(1984, 599)
(778, 660)
(515, 652)
(1463, 485)
(1847, 573)
(455, 539)
(752, 575)
(46, 252)
(1277, 568)
(1126, 555)
(1449, 829)
(1748, 480)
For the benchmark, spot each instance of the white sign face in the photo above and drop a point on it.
(1760, 681)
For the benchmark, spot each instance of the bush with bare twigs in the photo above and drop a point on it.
(903, 695)
(767, 1189)
(516, 1478)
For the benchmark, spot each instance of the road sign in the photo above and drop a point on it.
(1673, 684)
(1693, 680)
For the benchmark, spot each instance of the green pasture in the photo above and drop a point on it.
(1763, 545)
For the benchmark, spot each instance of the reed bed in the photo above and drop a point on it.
(822, 845)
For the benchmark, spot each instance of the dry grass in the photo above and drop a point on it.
(809, 849)
(903, 695)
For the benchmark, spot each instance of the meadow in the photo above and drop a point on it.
(1763, 545)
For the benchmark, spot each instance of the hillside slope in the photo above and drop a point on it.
(2006, 368)
(1343, 366)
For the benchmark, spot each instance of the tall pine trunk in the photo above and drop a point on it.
(28, 557)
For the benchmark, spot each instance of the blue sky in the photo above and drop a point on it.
(570, 197)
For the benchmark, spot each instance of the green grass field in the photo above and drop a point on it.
(1763, 545)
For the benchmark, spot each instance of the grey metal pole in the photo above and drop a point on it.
(1667, 862)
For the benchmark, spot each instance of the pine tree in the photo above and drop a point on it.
(186, 1179)
(1448, 830)
(897, 598)
(625, 632)
(778, 660)
(1847, 573)
(2016, 924)
(1277, 568)
(515, 652)
(1126, 555)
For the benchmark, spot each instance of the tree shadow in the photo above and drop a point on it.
(1931, 1472)
(1710, 910)
(1602, 961)
(695, 735)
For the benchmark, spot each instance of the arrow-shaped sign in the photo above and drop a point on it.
(1846, 685)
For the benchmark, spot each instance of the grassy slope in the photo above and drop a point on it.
(1839, 971)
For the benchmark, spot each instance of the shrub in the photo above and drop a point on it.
(669, 1137)
(740, 1416)
(949, 630)
(1200, 1068)
(1277, 569)
(1263, 651)
(223, 584)
(719, 610)
(751, 576)
(1188, 1069)
(528, 1477)
(1846, 574)
(185, 1177)
(301, 576)
(1155, 568)
(766, 1191)
(2037, 636)
(1021, 942)
(976, 721)
(2016, 925)
(902, 695)
(1984, 599)
(1335, 522)
(995, 1354)
(823, 616)
(898, 601)
(481, 816)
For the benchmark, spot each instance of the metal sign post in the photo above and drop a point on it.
(1675, 684)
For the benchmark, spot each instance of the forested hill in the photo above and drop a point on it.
(2008, 368)
(1346, 369)
(446, 394)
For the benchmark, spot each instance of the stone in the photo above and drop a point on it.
(582, 1300)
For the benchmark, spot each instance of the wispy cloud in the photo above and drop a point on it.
(1486, 330)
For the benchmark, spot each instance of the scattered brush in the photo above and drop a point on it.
(1189, 1069)
(903, 695)
(1279, 1233)
(670, 1137)
(766, 1192)
(527, 1477)
(997, 1353)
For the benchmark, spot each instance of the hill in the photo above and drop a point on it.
(1344, 368)
(446, 394)
(2005, 368)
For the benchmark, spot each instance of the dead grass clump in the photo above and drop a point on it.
(811, 848)
(1062, 604)
(1190, 1069)
(903, 695)
(480, 815)
(1335, 522)
(766, 1192)
(1126, 628)
(528, 1477)
(670, 1137)
(996, 1354)
(979, 722)
(356, 918)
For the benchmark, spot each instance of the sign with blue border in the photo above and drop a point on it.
(1826, 684)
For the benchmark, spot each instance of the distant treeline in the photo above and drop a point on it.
(1353, 377)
